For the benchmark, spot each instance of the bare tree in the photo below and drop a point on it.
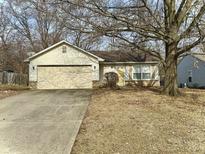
(20, 14)
(5, 37)
(12, 46)
(50, 26)
(74, 27)
(177, 25)
(37, 21)
(42, 23)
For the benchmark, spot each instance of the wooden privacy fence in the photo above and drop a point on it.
(13, 78)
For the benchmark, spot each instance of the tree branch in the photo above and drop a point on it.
(189, 47)
(194, 22)
(184, 7)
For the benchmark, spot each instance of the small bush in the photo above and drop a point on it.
(112, 80)
(195, 85)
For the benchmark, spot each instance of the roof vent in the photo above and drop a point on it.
(64, 49)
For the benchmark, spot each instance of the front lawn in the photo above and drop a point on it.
(143, 121)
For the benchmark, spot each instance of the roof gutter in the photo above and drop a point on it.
(113, 63)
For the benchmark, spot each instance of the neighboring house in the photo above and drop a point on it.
(191, 71)
(65, 66)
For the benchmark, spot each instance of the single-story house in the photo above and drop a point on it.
(191, 70)
(65, 66)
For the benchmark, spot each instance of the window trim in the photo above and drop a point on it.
(141, 73)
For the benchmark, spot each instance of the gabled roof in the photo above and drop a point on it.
(200, 56)
(124, 56)
(59, 43)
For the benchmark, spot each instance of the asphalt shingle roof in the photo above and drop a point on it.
(120, 56)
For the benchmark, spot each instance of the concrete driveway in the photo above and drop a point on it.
(41, 122)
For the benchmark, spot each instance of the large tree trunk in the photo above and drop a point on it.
(170, 80)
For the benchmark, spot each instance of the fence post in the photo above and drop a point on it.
(1, 77)
(5, 81)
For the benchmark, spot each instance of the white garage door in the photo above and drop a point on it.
(64, 77)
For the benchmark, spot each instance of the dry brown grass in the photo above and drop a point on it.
(10, 90)
(143, 121)
(13, 87)
(7, 93)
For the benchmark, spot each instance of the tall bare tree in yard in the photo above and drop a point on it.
(5, 37)
(12, 54)
(87, 41)
(177, 25)
(41, 23)
(37, 21)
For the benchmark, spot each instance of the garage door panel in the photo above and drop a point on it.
(69, 77)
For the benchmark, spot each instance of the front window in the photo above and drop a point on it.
(141, 72)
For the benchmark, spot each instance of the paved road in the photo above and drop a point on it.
(41, 122)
